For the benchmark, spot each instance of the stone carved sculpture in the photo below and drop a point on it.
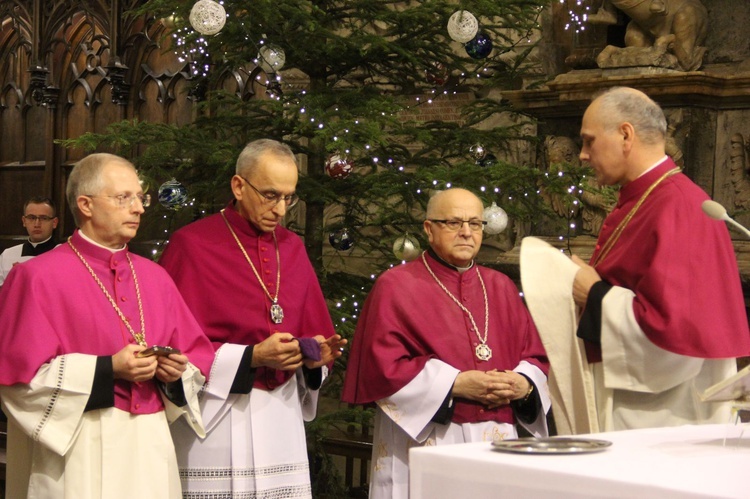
(608, 15)
(605, 15)
(596, 206)
(663, 33)
(675, 120)
(738, 172)
(560, 151)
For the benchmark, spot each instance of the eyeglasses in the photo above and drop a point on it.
(455, 224)
(127, 200)
(273, 198)
(38, 218)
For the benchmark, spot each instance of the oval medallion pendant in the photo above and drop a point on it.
(483, 352)
(277, 313)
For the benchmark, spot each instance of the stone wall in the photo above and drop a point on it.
(728, 40)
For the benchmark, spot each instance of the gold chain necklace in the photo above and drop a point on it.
(482, 351)
(139, 337)
(624, 222)
(277, 313)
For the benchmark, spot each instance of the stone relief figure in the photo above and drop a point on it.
(663, 33)
(605, 15)
(674, 127)
(738, 172)
(560, 152)
(596, 206)
(595, 203)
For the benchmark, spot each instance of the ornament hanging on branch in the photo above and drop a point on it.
(487, 161)
(169, 22)
(172, 195)
(341, 240)
(479, 47)
(273, 89)
(436, 74)
(207, 17)
(406, 247)
(271, 58)
(462, 26)
(496, 218)
(478, 152)
(338, 166)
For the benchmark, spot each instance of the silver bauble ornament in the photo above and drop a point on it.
(172, 195)
(496, 218)
(271, 58)
(477, 151)
(207, 17)
(462, 26)
(406, 247)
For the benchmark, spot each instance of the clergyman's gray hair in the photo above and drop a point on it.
(623, 104)
(248, 159)
(86, 178)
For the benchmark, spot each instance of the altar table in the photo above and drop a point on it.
(679, 462)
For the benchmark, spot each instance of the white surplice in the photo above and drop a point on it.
(637, 384)
(255, 444)
(56, 450)
(9, 258)
(403, 421)
(647, 386)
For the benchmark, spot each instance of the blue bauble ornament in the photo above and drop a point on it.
(172, 195)
(480, 47)
(341, 240)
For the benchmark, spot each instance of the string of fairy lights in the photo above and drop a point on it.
(196, 54)
(580, 14)
(198, 51)
(208, 17)
(462, 27)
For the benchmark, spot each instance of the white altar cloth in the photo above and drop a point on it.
(676, 462)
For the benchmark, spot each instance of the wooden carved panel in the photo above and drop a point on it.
(71, 67)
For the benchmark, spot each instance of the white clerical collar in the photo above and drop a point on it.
(40, 242)
(460, 270)
(87, 238)
(662, 160)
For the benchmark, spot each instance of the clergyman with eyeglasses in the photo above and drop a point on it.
(253, 289)
(88, 410)
(446, 349)
(40, 220)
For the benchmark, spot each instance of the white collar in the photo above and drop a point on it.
(662, 160)
(40, 242)
(87, 238)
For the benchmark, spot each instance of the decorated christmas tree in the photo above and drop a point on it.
(383, 101)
